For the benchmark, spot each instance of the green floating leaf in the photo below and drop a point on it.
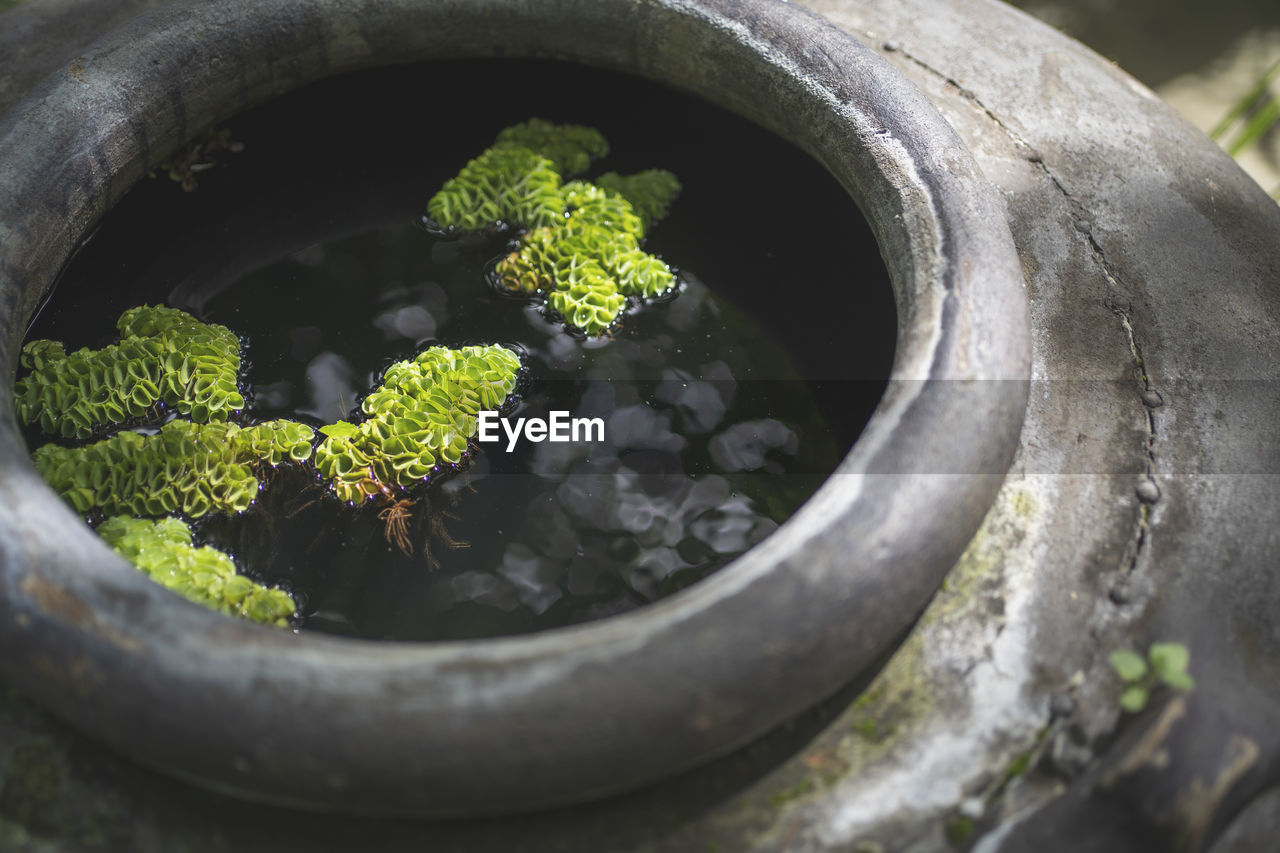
(163, 551)
(592, 305)
(650, 192)
(187, 468)
(551, 259)
(1128, 665)
(341, 429)
(420, 419)
(503, 185)
(581, 250)
(570, 147)
(588, 205)
(165, 356)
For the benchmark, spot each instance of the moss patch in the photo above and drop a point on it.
(32, 784)
(958, 829)
(795, 792)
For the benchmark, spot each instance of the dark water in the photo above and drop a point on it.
(725, 407)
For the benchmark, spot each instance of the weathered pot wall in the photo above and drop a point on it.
(503, 725)
(994, 724)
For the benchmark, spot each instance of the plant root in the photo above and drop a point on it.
(396, 517)
(310, 488)
(441, 532)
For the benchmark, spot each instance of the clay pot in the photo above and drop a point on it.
(493, 726)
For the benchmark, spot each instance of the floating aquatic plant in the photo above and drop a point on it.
(422, 417)
(165, 356)
(570, 147)
(592, 303)
(581, 249)
(550, 259)
(163, 551)
(511, 185)
(186, 468)
(588, 205)
(650, 192)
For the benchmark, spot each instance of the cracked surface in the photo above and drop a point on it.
(1116, 299)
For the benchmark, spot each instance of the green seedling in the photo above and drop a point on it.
(1166, 663)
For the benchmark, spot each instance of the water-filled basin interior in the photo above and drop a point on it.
(725, 405)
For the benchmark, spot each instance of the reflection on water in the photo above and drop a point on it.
(331, 387)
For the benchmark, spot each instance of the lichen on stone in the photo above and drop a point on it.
(418, 422)
(186, 468)
(165, 357)
(163, 551)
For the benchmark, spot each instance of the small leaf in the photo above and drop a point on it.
(1128, 665)
(342, 429)
(1134, 698)
(1169, 660)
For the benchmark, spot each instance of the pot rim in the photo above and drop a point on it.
(516, 723)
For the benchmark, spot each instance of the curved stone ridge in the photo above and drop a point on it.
(165, 356)
(422, 417)
(582, 250)
(163, 551)
(186, 468)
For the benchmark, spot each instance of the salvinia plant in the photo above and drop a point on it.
(163, 551)
(139, 483)
(165, 360)
(579, 250)
(166, 364)
(422, 417)
(151, 433)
